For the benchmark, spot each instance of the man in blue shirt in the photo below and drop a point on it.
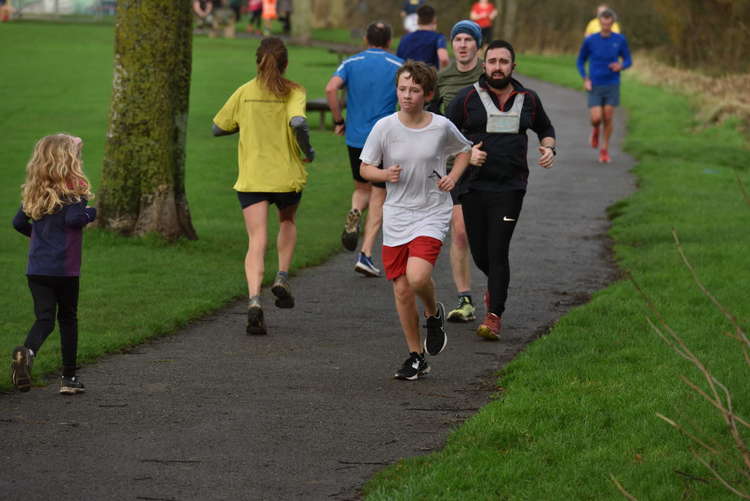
(608, 54)
(369, 78)
(425, 44)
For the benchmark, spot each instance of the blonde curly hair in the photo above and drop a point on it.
(54, 176)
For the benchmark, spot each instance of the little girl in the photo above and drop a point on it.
(54, 198)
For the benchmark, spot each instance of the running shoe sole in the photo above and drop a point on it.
(458, 317)
(594, 140)
(364, 270)
(71, 390)
(416, 376)
(20, 369)
(486, 333)
(284, 298)
(349, 240)
(436, 339)
(255, 324)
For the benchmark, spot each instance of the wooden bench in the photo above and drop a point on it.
(321, 106)
(344, 52)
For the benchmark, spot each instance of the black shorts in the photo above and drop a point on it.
(354, 161)
(282, 200)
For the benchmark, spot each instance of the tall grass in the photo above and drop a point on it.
(580, 404)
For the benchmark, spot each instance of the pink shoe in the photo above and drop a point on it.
(604, 157)
(490, 328)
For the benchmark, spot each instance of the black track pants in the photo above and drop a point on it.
(55, 295)
(490, 219)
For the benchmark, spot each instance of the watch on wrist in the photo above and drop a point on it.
(554, 151)
(338, 122)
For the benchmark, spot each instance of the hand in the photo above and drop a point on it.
(478, 157)
(616, 66)
(587, 84)
(547, 157)
(446, 183)
(393, 173)
(339, 129)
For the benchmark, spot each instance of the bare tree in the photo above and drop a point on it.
(143, 181)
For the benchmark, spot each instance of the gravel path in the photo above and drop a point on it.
(311, 411)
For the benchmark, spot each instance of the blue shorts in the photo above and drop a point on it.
(604, 95)
(282, 200)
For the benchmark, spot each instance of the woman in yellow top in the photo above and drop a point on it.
(268, 112)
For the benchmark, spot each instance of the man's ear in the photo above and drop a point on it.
(429, 96)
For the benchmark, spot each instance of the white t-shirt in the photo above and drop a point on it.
(414, 206)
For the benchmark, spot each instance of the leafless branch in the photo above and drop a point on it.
(622, 490)
(739, 333)
(685, 432)
(716, 474)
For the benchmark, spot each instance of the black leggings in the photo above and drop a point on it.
(490, 219)
(55, 295)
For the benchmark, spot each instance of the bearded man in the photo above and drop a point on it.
(495, 114)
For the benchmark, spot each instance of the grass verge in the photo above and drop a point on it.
(580, 404)
(58, 77)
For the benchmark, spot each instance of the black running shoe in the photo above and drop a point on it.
(283, 292)
(71, 385)
(414, 367)
(435, 340)
(255, 324)
(20, 368)
(350, 235)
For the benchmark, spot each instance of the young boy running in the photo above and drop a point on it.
(415, 144)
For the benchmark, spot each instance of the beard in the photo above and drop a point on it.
(499, 83)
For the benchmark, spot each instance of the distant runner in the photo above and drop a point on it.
(369, 78)
(608, 54)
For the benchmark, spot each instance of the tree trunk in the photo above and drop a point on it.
(511, 8)
(143, 179)
(302, 21)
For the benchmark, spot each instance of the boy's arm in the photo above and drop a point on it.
(448, 182)
(377, 175)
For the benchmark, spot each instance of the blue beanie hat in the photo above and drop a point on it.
(470, 28)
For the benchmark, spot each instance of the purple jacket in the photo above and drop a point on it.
(56, 239)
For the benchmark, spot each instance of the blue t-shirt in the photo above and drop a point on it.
(421, 45)
(600, 52)
(370, 79)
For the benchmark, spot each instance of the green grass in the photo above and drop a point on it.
(58, 77)
(576, 406)
(581, 403)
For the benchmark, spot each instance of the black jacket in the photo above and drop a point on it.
(506, 167)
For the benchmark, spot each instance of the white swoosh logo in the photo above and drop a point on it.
(506, 218)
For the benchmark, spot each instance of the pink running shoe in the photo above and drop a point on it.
(604, 157)
(490, 328)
